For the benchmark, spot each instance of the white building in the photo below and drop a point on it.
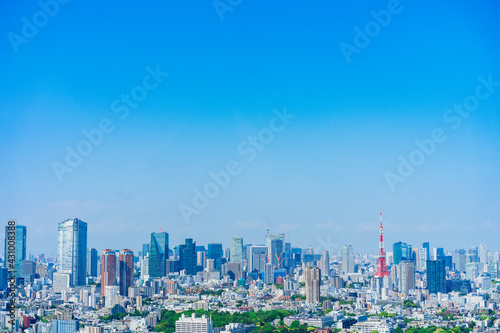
(109, 293)
(193, 324)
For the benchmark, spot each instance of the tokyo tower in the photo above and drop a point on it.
(382, 265)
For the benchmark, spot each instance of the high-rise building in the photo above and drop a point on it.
(72, 250)
(256, 258)
(215, 252)
(426, 246)
(401, 251)
(422, 259)
(347, 259)
(275, 246)
(187, 257)
(313, 280)
(108, 269)
(494, 270)
(92, 259)
(483, 254)
(406, 276)
(325, 263)
(236, 250)
(19, 248)
(268, 273)
(145, 250)
(459, 260)
(158, 254)
(436, 276)
(473, 254)
(439, 254)
(28, 270)
(126, 271)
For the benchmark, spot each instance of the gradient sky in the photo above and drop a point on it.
(321, 180)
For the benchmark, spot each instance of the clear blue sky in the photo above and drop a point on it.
(321, 180)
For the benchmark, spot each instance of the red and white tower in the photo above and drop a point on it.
(382, 265)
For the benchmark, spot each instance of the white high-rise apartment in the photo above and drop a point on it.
(325, 264)
(193, 324)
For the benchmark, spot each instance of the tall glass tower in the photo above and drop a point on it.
(72, 250)
(20, 246)
(158, 254)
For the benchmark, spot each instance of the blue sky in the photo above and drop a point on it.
(321, 180)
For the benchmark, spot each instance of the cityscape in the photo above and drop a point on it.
(249, 166)
(163, 287)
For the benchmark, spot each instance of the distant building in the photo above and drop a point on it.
(406, 276)
(275, 244)
(187, 256)
(325, 264)
(126, 271)
(216, 253)
(436, 276)
(313, 280)
(72, 250)
(158, 254)
(108, 269)
(257, 258)
(19, 248)
(193, 324)
(347, 259)
(92, 258)
(236, 250)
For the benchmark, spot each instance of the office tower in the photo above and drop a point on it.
(275, 245)
(126, 271)
(145, 250)
(145, 268)
(109, 293)
(187, 256)
(210, 265)
(397, 252)
(19, 247)
(473, 254)
(158, 254)
(313, 279)
(472, 270)
(268, 273)
(436, 276)
(439, 254)
(256, 258)
(108, 269)
(426, 246)
(236, 250)
(28, 270)
(233, 270)
(192, 324)
(325, 264)
(459, 260)
(406, 276)
(483, 254)
(422, 259)
(65, 326)
(201, 259)
(216, 252)
(92, 259)
(72, 250)
(494, 270)
(347, 259)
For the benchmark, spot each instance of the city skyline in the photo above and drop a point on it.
(129, 130)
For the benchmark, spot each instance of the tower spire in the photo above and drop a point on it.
(381, 265)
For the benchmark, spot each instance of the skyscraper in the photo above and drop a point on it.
(325, 263)
(215, 252)
(459, 260)
(436, 276)
(406, 276)
(20, 248)
(397, 252)
(72, 250)
(187, 257)
(422, 259)
(275, 246)
(108, 269)
(126, 271)
(158, 254)
(92, 262)
(256, 258)
(426, 246)
(313, 279)
(483, 254)
(236, 250)
(347, 259)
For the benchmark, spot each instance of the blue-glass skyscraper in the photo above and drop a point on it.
(20, 248)
(158, 254)
(72, 250)
(187, 257)
(436, 276)
(215, 252)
